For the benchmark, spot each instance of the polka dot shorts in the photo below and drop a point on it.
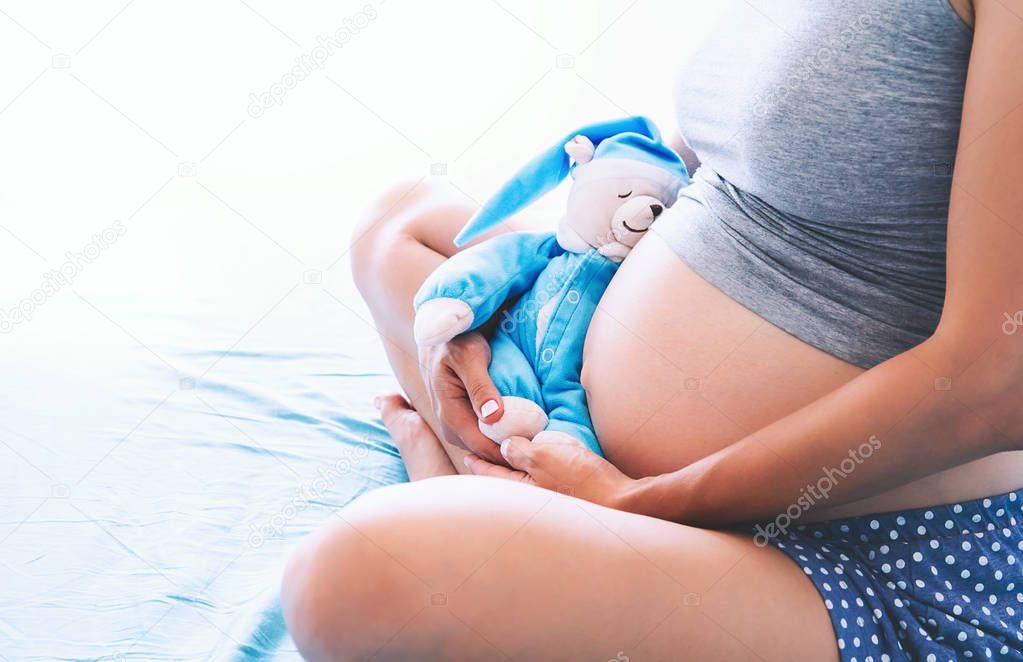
(933, 584)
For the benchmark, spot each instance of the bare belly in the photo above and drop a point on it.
(675, 370)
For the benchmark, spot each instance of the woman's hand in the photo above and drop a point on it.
(456, 377)
(561, 463)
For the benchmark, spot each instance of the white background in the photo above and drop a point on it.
(138, 112)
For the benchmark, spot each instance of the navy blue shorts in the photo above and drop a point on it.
(940, 583)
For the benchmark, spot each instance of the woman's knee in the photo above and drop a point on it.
(349, 587)
(341, 587)
(387, 218)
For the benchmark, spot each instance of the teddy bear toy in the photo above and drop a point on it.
(546, 285)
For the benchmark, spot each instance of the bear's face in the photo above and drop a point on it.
(604, 211)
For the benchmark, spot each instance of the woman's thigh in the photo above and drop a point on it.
(474, 568)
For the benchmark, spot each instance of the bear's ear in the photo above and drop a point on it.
(580, 149)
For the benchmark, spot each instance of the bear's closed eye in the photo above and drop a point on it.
(625, 195)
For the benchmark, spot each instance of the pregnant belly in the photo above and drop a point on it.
(675, 370)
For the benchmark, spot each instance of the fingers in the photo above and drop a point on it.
(462, 393)
(519, 452)
(486, 401)
(461, 420)
(480, 467)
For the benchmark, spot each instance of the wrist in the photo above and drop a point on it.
(655, 496)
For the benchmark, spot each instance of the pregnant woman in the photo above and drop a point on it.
(807, 380)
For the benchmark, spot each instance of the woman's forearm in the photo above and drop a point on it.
(902, 420)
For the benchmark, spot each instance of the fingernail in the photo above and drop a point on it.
(467, 461)
(488, 408)
(378, 402)
(504, 447)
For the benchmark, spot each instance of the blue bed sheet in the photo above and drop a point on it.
(156, 468)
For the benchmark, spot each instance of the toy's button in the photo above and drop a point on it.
(572, 296)
(547, 355)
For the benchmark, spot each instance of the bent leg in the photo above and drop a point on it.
(406, 233)
(470, 568)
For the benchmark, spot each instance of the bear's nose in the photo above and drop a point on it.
(656, 210)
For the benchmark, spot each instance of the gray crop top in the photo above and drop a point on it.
(827, 132)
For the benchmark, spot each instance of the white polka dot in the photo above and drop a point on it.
(935, 544)
(967, 546)
(921, 530)
(950, 559)
(939, 597)
(982, 560)
(949, 524)
(965, 574)
(874, 524)
(962, 636)
(928, 515)
(917, 556)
